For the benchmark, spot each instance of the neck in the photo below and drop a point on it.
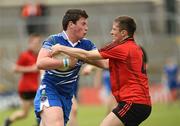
(124, 38)
(71, 37)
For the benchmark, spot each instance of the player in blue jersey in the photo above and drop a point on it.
(54, 97)
(102, 76)
(171, 72)
(110, 101)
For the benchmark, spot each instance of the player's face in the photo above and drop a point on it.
(80, 28)
(115, 32)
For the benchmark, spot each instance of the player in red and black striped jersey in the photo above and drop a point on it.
(29, 81)
(129, 80)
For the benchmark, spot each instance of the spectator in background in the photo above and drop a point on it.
(171, 72)
(102, 76)
(109, 99)
(34, 15)
(29, 81)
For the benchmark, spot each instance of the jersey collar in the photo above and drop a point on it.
(65, 36)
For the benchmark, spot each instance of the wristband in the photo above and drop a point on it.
(65, 62)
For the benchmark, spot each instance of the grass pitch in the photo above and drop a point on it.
(162, 115)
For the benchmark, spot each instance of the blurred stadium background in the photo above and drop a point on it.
(158, 31)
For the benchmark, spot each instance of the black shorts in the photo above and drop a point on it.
(132, 114)
(27, 95)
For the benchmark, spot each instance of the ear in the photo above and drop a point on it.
(71, 24)
(124, 33)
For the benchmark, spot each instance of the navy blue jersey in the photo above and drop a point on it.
(65, 81)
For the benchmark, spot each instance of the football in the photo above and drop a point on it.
(61, 56)
(69, 62)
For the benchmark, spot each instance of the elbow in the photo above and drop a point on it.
(39, 65)
(105, 64)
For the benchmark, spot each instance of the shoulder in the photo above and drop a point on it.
(54, 39)
(87, 44)
(109, 46)
(85, 40)
(24, 54)
(129, 46)
(51, 37)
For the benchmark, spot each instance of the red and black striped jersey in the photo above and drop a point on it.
(29, 80)
(129, 81)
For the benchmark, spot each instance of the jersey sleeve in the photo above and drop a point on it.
(117, 52)
(91, 46)
(48, 43)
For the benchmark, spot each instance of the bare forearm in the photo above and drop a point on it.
(104, 63)
(75, 52)
(25, 69)
(85, 56)
(48, 63)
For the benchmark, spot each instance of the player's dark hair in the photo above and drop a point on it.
(73, 15)
(126, 23)
(145, 58)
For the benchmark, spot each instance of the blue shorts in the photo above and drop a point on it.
(48, 96)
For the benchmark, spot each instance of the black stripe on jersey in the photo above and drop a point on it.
(114, 44)
(108, 46)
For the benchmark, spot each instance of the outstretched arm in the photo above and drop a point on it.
(77, 53)
(92, 57)
(104, 63)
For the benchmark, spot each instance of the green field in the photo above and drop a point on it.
(162, 115)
